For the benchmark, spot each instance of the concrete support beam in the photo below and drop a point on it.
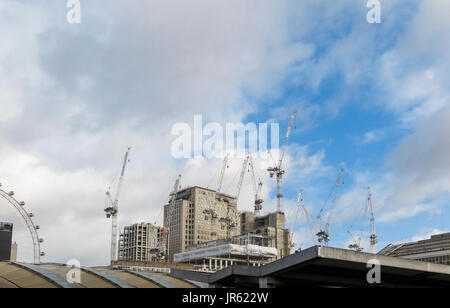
(267, 282)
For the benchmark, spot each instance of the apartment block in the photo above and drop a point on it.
(140, 242)
(200, 215)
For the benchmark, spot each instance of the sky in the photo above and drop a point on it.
(372, 98)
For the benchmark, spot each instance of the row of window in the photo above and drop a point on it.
(438, 260)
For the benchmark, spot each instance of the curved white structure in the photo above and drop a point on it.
(226, 250)
(32, 228)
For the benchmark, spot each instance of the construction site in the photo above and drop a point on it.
(207, 241)
(203, 227)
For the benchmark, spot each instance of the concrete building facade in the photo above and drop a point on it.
(199, 215)
(434, 250)
(271, 225)
(6, 230)
(139, 242)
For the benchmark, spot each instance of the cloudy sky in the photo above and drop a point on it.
(372, 98)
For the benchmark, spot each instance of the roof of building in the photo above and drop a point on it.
(436, 243)
(6, 226)
(205, 188)
(23, 275)
(326, 266)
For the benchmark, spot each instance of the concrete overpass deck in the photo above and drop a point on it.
(327, 267)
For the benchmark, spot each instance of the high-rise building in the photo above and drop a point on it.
(434, 250)
(6, 230)
(199, 215)
(140, 242)
(272, 225)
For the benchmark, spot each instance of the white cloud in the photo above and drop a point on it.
(372, 136)
(426, 233)
(412, 81)
(73, 97)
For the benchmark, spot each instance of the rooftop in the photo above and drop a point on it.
(437, 243)
(23, 275)
(6, 226)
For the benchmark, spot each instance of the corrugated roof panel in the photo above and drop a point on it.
(134, 280)
(23, 278)
(46, 274)
(88, 280)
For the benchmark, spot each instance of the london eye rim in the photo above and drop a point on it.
(32, 228)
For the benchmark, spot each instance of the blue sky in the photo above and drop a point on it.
(372, 98)
(359, 132)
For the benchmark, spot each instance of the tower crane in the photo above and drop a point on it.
(299, 201)
(257, 189)
(169, 218)
(278, 170)
(373, 236)
(305, 211)
(222, 173)
(230, 221)
(112, 208)
(356, 245)
(241, 178)
(324, 234)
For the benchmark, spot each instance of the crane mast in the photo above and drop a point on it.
(305, 211)
(310, 227)
(222, 173)
(278, 170)
(241, 178)
(166, 231)
(112, 209)
(324, 234)
(257, 189)
(373, 238)
(299, 200)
